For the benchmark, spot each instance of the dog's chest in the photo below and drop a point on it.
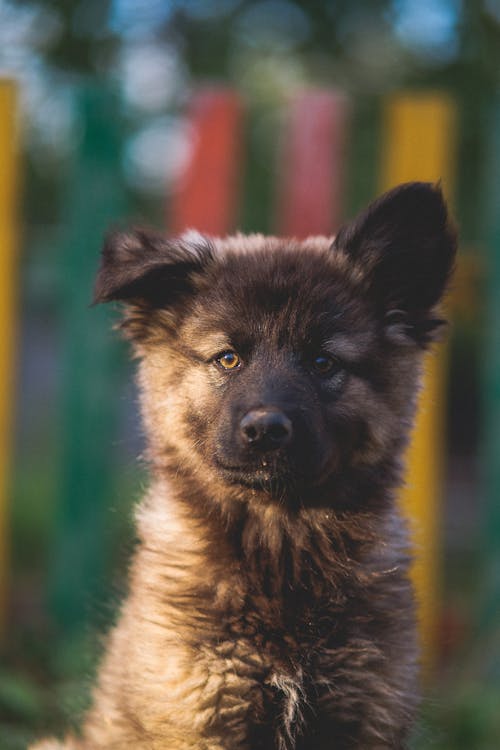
(257, 697)
(277, 655)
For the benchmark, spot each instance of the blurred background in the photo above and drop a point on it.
(279, 116)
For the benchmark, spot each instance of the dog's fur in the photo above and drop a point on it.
(269, 601)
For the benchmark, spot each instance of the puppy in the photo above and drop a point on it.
(269, 605)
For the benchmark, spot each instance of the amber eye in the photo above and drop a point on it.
(324, 364)
(228, 361)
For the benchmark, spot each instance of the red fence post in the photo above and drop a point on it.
(206, 197)
(311, 169)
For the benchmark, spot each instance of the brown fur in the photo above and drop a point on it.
(269, 602)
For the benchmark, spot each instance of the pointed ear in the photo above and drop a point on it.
(143, 267)
(405, 246)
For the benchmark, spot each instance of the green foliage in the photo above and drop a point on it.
(461, 718)
(34, 705)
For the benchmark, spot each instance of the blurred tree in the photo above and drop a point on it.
(84, 42)
(270, 47)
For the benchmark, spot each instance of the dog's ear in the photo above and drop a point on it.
(143, 267)
(405, 246)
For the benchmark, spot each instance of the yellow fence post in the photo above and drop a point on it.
(419, 131)
(8, 179)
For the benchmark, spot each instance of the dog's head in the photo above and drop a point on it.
(278, 364)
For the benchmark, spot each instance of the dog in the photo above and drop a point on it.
(269, 604)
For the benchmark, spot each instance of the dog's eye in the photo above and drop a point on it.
(228, 360)
(324, 364)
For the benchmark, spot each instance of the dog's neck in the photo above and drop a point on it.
(283, 548)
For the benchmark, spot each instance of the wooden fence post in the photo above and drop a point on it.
(311, 168)
(490, 609)
(90, 372)
(206, 196)
(8, 247)
(419, 133)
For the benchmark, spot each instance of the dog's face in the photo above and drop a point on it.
(274, 364)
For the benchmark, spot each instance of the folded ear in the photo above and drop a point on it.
(143, 267)
(405, 246)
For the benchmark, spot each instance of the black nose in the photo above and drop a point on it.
(266, 429)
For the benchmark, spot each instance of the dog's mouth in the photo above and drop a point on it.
(272, 476)
(279, 474)
(267, 474)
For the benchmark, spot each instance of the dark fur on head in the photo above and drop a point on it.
(270, 605)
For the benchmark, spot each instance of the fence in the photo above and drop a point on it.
(8, 248)
(314, 164)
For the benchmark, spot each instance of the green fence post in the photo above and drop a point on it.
(95, 200)
(491, 396)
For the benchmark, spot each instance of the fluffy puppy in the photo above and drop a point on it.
(269, 603)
